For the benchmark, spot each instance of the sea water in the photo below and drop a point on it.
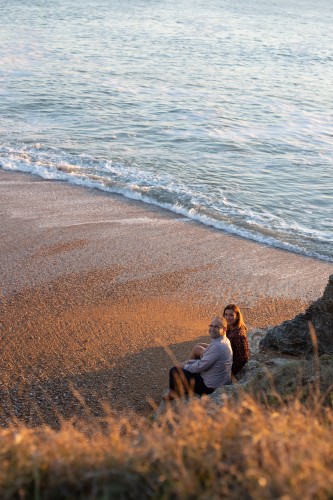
(220, 110)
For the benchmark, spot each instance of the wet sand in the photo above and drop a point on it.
(98, 293)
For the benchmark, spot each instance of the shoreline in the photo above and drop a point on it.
(94, 285)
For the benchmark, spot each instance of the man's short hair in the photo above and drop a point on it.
(222, 322)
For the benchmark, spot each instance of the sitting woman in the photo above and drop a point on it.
(236, 333)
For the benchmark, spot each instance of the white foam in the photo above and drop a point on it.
(137, 185)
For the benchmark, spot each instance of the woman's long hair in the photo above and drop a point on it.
(239, 317)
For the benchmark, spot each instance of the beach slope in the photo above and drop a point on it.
(99, 293)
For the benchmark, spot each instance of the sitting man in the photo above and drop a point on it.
(211, 370)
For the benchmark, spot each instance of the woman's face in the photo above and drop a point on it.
(230, 316)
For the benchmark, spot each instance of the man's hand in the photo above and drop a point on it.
(188, 361)
(181, 364)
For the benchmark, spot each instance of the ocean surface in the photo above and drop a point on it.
(220, 110)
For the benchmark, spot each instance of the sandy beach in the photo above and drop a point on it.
(98, 292)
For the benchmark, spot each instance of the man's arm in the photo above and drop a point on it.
(208, 359)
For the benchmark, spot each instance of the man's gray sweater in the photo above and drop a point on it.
(215, 364)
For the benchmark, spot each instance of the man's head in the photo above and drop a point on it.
(217, 327)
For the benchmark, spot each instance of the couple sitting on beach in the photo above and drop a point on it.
(212, 365)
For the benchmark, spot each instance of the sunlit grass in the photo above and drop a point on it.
(244, 449)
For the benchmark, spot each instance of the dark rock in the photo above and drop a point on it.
(294, 337)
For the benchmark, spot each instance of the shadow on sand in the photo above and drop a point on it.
(134, 385)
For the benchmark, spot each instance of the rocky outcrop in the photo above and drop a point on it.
(294, 337)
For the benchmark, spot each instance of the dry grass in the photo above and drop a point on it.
(242, 450)
(305, 380)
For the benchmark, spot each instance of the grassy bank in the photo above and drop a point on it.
(244, 449)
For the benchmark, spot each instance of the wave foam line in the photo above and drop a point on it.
(192, 214)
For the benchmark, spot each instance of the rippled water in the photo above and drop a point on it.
(218, 110)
